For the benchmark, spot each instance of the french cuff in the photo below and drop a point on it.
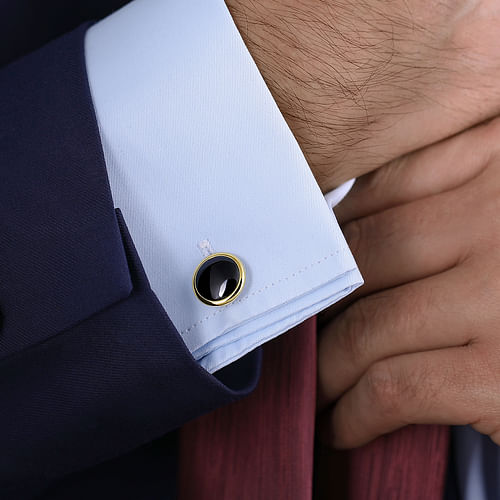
(201, 161)
(280, 311)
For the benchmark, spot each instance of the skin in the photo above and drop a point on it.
(363, 84)
(380, 89)
(419, 343)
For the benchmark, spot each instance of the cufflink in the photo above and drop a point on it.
(219, 279)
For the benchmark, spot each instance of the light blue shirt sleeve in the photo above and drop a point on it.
(200, 160)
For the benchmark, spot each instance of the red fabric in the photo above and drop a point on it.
(408, 464)
(262, 447)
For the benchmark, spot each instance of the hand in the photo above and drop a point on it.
(363, 83)
(421, 342)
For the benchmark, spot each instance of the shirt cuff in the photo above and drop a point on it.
(200, 160)
(333, 198)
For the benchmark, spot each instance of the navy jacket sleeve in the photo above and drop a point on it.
(90, 365)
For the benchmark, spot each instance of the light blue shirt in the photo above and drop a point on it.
(200, 160)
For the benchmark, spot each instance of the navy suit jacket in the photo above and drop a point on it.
(94, 378)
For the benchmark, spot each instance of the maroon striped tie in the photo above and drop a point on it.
(262, 447)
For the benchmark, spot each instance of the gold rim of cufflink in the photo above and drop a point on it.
(239, 285)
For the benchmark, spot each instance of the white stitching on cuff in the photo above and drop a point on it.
(270, 285)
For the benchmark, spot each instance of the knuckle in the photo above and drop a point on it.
(400, 392)
(388, 391)
(353, 330)
(411, 310)
(382, 387)
(353, 235)
(364, 237)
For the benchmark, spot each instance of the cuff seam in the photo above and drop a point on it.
(260, 290)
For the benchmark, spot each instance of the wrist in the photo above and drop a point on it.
(361, 86)
(297, 66)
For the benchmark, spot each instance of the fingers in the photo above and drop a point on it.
(434, 387)
(433, 313)
(433, 170)
(409, 242)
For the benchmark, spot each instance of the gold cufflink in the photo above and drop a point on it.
(219, 279)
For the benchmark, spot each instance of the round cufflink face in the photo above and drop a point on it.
(219, 279)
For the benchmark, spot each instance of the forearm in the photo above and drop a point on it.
(303, 57)
(361, 86)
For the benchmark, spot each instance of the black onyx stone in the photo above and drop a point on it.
(218, 278)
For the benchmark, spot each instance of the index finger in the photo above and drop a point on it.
(433, 387)
(426, 172)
